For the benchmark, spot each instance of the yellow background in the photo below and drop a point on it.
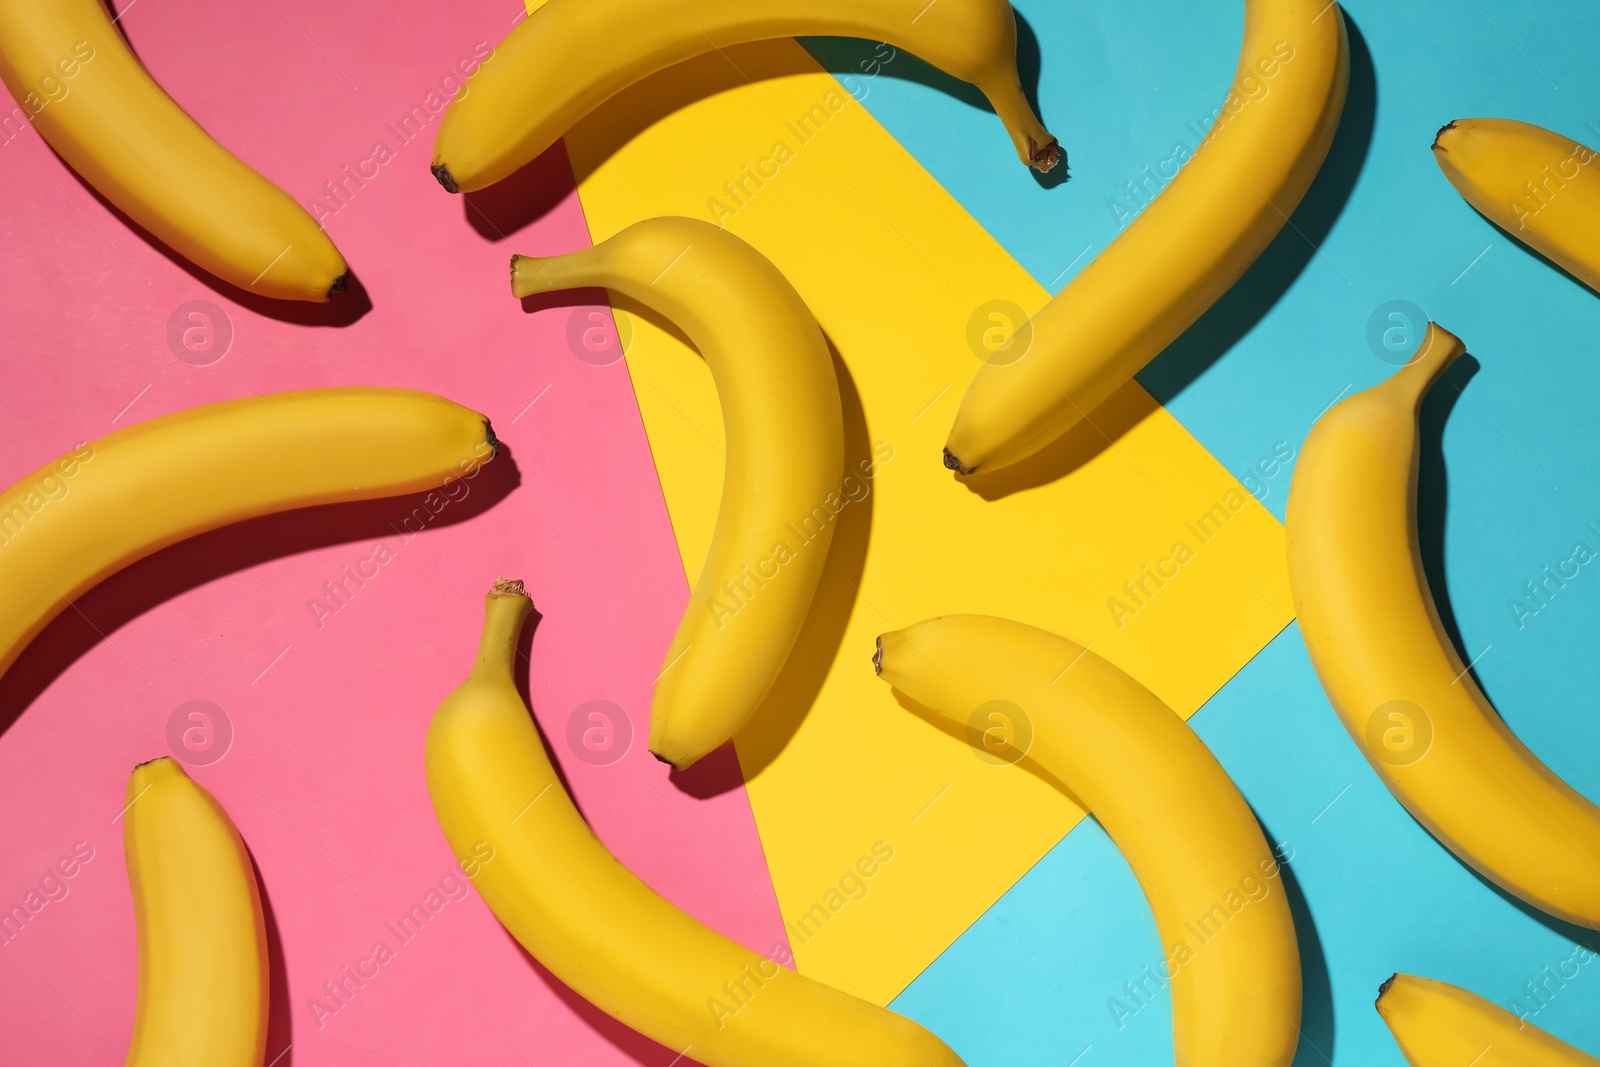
(893, 268)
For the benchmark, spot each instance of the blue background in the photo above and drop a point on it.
(1508, 484)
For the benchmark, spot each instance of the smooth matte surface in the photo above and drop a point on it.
(328, 735)
(1509, 482)
(894, 270)
(329, 708)
(1064, 943)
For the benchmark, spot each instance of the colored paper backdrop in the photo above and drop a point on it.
(897, 220)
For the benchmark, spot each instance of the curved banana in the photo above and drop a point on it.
(1440, 1025)
(1537, 185)
(1389, 669)
(601, 930)
(568, 58)
(1027, 695)
(202, 941)
(95, 104)
(1195, 239)
(104, 505)
(785, 461)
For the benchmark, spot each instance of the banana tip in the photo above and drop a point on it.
(1446, 128)
(151, 771)
(442, 173)
(1384, 988)
(674, 764)
(340, 284)
(490, 439)
(952, 463)
(877, 657)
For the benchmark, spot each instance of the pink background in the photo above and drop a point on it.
(324, 777)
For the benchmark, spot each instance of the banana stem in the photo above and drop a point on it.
(1036, 145)
(531, 275)
(505, 609)
(1438, 350)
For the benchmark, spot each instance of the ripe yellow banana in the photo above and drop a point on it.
(1440, 1025)
(202, 942)
(1537, 185)
(1182, 252)
(785, 461)
(601, 930)
(1212, 881)
(104, 505)
(569, 57)
(95, 104)
(1389, 669)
